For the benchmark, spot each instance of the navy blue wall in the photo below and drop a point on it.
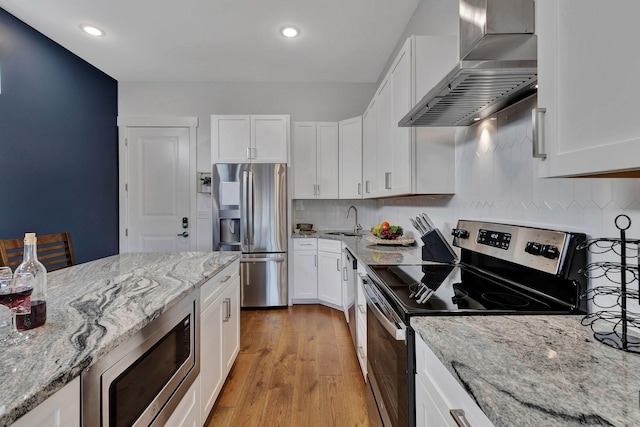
(58, 143)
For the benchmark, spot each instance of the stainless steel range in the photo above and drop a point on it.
(503, 269)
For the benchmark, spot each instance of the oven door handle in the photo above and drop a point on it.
(376, 302)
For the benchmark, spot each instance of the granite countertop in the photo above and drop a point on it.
(91, 309)
(371, 253)
(537, 370)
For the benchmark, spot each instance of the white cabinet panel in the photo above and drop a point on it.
(327, 160)
(441, 393)
(401, 103)
(304, 160)
(330, 278)
(62, 409)
(230, 327)
(187, 413)
(249, 139)
(370, 151)
(587, 80)
(305, 269)
(350, 158)
(315, 160)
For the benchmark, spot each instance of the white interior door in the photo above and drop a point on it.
(158, 189)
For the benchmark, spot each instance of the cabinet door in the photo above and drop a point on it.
(330, 278)
(327, 160)
(187, 413)
(304, 160)
(350, 158)
(305, 274)
(383, 138)
(369, 151)
(401, 103)
(230, 139)
(587, 78)
(427, 412)
(211, 377)
(269, 139)
(230, 326)
(62, 409)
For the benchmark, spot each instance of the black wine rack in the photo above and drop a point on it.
(611, 317)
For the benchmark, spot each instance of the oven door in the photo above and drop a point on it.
(387, 355)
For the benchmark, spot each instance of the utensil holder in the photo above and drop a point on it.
(611, 322)
(436, 248)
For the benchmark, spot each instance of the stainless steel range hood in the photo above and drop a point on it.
(498, 65)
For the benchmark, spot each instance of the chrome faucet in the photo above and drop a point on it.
(357, 227)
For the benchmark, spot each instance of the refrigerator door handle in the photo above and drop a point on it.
(245, 208)
(250, 211)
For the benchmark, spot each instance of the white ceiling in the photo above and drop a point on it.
(225, 40)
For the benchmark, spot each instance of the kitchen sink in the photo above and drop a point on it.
(344, 233)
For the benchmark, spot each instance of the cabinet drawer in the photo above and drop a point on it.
(217, 284)
(305, 244)
(327, 245)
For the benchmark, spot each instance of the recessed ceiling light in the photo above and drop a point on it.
(94, 31)
(289, 31)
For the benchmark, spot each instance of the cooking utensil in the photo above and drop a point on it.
(424, 224)
(428, 221)
(304, 226)
(417, 226)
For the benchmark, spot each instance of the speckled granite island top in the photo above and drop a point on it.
(537, 370)
(91, 309)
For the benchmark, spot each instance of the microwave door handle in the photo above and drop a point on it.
(393, 328)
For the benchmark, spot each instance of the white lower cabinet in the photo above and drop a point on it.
(62, 409)
(305, 270)
(440, 399)
(361, 323)
(187, 413)
(219, 333)
(317, 272)
(330, 272)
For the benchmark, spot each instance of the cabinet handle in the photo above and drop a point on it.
(254, 153)
(387, 181)
(248, 152)
(361, 308)
(225, 279)
(315, 190)
(459, 418)
(359, 189)
(318, 190)
(361, 352)
(367, 187)
(344, 274)
(538, 133)
(338, 265)
(227, 310)
(315, 260)
(306, 244)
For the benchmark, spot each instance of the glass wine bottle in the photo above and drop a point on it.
(37, 315)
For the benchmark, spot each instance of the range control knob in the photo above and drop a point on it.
(550, 252)
(547, 251)
(460, 233)
(533, 248)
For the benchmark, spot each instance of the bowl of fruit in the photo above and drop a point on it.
(387, 231)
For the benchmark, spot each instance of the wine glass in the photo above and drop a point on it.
(5, 278)
(12, 296)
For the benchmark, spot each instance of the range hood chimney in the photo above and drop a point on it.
(498, 66)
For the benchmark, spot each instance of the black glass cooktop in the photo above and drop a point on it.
(441, 289)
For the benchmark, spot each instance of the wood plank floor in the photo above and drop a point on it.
(296, 367)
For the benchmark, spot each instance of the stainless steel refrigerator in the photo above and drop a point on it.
(250, 215)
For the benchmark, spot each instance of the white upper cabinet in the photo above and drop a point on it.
(249, 139)
(315, 160)
(588, 87)
(369, 151)
(404, 154)
(350, 158)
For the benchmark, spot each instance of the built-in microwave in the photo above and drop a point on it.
(141, 382)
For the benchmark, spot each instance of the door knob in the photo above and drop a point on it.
(184, 234)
